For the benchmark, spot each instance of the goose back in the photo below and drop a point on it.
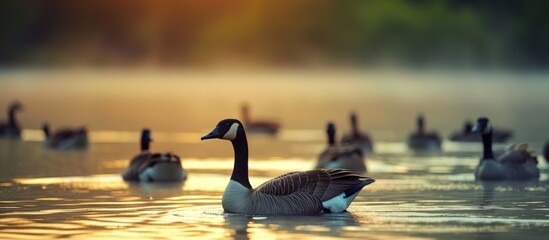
(346, 157)
(66, 138)
(145, 167)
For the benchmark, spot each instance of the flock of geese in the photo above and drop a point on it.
(330, 188)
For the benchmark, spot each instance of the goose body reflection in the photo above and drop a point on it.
(65, 138)
(11, 128)
(295, 193)
(515, 163)
(154, 167)
(345, 156)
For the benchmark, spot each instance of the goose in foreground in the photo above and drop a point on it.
(258, 126)
(422, 140)
(295, 193)
(357, 137)
(154, 167)
(65, 138)
(467, 135)
(516, 163)
(11, 128)
(345, 156)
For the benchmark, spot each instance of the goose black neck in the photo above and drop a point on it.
(11, 117)
(487, 144)
(421, 126)
(46, 130)
(240, 169)
(331, 138)
(355, 129)
(145, 143)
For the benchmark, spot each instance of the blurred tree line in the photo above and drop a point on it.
(462, 33)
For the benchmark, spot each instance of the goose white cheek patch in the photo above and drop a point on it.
(231, 134)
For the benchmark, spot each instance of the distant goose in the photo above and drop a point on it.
(11, 128)
(349, 156)
(466, 135)
(546, 151)
(65, 138)
(154, 167)
(517, 163)
(424, 141)
(296, 193)
(358, 138)
(258, 126)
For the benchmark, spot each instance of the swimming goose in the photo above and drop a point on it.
(11, 128)
(358, 138)
(258, 126)
(349, 156)
(295, 193)
(424, 141)
(65, 138)
(516, 163)
(466, 135)
(154, 167)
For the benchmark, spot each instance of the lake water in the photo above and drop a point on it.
(80, 195)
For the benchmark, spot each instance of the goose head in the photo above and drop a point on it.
(146, 139)
(15, 106)
(228, 129)
(483, 126)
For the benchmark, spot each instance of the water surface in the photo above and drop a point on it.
(80, 195)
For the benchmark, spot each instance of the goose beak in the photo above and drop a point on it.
(213, 134)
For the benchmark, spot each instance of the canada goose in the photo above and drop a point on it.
(295, 193)
(546, 151)
(358, 138)
(517, 163)
(154, 167)
(11, 128)
(336, 156)
(467, 135)
(422, 140)
(258, 126)
(65, 138)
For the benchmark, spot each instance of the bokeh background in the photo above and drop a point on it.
(178, 67)
(416, 33)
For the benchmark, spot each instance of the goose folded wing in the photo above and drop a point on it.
(308, 182)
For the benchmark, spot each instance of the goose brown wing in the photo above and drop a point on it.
(308, 182)
(324, 184)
